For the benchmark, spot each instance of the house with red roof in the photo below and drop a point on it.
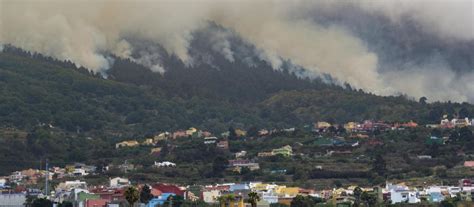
(374, 142)
(155, 192)
(217, 187)
(469, 164)
(96, 203)
(167, 188)
(113, 194)
(179, 134)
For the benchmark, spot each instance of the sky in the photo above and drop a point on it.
(386, 47)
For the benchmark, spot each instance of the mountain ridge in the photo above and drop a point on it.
(259, 91)
(54, 110)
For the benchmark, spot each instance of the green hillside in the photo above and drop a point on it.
(51, 109)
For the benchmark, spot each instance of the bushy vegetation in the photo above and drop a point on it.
(54, 110)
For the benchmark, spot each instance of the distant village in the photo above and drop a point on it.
(16, 188)
(79, 194)
(356, 130)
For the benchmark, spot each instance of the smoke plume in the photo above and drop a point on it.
(87, 31)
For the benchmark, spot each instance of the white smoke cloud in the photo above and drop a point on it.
(34, 27)
(434, 80)
(122, 49)
(322, 50)
(150, 58)
(221, 44)
(446, 18)
(84, 30)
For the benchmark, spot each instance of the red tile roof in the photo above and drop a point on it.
(469, 164)
(155, 192)
(166, 188)
(96, 203)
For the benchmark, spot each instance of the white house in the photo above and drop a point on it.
(461, 122)
(270, 197)
(12, 200)
(444, 122)
(453, 191)
(210, 140)
(81, 169)
(165, 164)
(211, 196)
(68, 185)
(16, 176)
(240, 154)
(436, 189)
(403, 196)
(118, 181)
(2, 182)
(79, 172)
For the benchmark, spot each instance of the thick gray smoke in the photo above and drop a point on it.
(83, 31)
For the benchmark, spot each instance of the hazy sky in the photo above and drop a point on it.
(83, 31)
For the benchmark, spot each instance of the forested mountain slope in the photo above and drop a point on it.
(52, 109)
(38, 90)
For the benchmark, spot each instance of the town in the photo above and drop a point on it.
(238, 170)
(236, 103)
(120, 192)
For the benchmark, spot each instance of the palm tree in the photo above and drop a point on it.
(231, 199)
(357, 193)
(222, 200)
(369, 199)
(226, 199)
(253, 199)
(132, 195)
(240, 200)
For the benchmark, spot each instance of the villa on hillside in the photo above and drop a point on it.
(469, 164)
(285, 151)
(322, 125)
(118, 182)
(130, 143)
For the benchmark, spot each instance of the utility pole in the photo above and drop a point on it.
(46, 180)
